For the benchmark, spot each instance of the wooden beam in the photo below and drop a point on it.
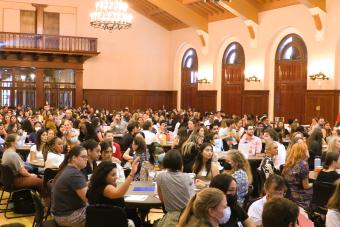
(182, 13)
(243, 9)
(314, 3)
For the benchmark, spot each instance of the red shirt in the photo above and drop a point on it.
(116, 150)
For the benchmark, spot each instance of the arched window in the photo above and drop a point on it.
(232, 79)
(290, 78)
(189, 78)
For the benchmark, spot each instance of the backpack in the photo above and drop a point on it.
(23, 202)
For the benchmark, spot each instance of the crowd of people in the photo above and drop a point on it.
(98, 153)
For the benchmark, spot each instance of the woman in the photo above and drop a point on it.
(267, 164)
(32, 138)
(203, 167)
(69, 190)
(234, 215)
(296, 174)
(11, 159)
(174, 188)
(334, 144)
(333, 213)
(205, 209)
(238, 167)
(190, 149)
(51, 134)
(36, 150)
(12, 128)
(314, 143)
(53, 153)
(332, 163)
(103, 186)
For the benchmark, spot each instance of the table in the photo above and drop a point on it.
(150, 202)
(24, 150)
(312, 175)
(37, 163)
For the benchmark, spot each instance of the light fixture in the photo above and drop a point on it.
(216, 1)
(203, 81)
(319, 76)
(252, 78)
(111, 15)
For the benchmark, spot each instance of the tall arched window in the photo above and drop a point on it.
(232, 79)
(189, 79)
(290, 78)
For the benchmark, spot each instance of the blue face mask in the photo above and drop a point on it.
(226, 216)
(74, 139)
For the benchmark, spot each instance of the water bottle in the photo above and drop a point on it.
(317, 162)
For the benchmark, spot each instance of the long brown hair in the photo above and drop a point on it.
(334, 201)
(239, 163)
(297, 153)
(199, 205)
(198, 165)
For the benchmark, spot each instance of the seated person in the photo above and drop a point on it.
(274, 187)
(53, 152)
(93, 154)
(116, 153)
(267, 164)
(38, 147)
(69, 190)
(332, 163)
(333, 213)
(103, 187)
(106, 155)
(174, 188)
(280, 212)
(233, 213)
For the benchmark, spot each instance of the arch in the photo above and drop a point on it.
(189, 86)
(232, 82)
(290, 78)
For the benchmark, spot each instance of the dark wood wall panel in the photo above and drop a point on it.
(321, 103)
(134, 99)
(255, 102)
(206, 101)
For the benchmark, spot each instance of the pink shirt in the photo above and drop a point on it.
(254, 143)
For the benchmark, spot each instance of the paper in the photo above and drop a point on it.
(135, 198)
(144, 189)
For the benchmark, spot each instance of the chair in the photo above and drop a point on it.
(50, 223)
(105, 215)
(39, 210)
(322, 192)
(7, 180)
(49, 175)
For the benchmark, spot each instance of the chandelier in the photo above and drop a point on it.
(111, 15)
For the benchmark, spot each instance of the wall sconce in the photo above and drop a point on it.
(319, 76)
(252, 78)
(203, 81)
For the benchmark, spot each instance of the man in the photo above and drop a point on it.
(266, 122)
(93, 154)
(127, 139)
(274, 187)
(280, 159)
(116, 153)
(150, 137)
(280, 212)
(250, 144)
(118, 126)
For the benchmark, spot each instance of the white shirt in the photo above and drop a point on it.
(280, 159)
(150, 137)
(120, 173)
(39, 154)
(332, 218)
(256, 209)
(54, 160)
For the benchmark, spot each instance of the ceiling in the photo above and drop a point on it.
(177, 14)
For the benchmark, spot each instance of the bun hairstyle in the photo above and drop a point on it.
(10, 139)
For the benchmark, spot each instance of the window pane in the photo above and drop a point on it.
(6, 74)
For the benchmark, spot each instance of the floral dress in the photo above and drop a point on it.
(242, 184)
(294, 177)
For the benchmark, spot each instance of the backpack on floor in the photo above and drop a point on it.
(23, 202)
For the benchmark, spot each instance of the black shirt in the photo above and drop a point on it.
(329, 177)
(88, 169)
(95, 195)
(126, 142)
(237, 215)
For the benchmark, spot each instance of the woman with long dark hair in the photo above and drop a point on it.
(314, 143)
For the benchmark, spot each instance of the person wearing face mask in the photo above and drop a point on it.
(233, 213)
(274, 187)
(267, 165)
(72, 138)
(205, 209)
(32, 138)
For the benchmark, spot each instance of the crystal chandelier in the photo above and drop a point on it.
(110, 15)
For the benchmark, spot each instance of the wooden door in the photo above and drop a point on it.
(189, 84)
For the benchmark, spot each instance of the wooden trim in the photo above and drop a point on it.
(317, 22)
(255, 101)
(206, 100)
(79, 87)
(39, 83)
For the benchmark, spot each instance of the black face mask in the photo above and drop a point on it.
(227, 166)
(231, 199)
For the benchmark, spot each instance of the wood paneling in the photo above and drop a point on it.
(134, 99)
(255, 102)
(321, 103)
(206, 101)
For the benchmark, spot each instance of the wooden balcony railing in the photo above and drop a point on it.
(48, 43)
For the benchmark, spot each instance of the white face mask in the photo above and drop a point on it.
(37, 128)
(226, 216)
(74, 139)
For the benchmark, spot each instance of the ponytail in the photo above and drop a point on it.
(183, 220)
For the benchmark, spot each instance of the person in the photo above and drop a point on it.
(267, 164)
(103, 187)
(205, 209)
(332, 163)
(296, 174)
(227, 184)
(174, 188)
(36, 150)
(280, 158)
(10, 158)
(69, 200)
(116, 152)
(93, 154)
(280, 212)
(127, 139)
(314, 143)
(53, 153)
(253, 143)
(333, 212)
(238, 167)
(274, 187)
(189, 151)
(203, 167)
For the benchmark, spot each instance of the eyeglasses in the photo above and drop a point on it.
(83, 156)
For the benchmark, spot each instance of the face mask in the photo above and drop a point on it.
(37, 128)
(226, 216)
(227, 166)
(74, 139)
(217, 142)
(231, 199)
